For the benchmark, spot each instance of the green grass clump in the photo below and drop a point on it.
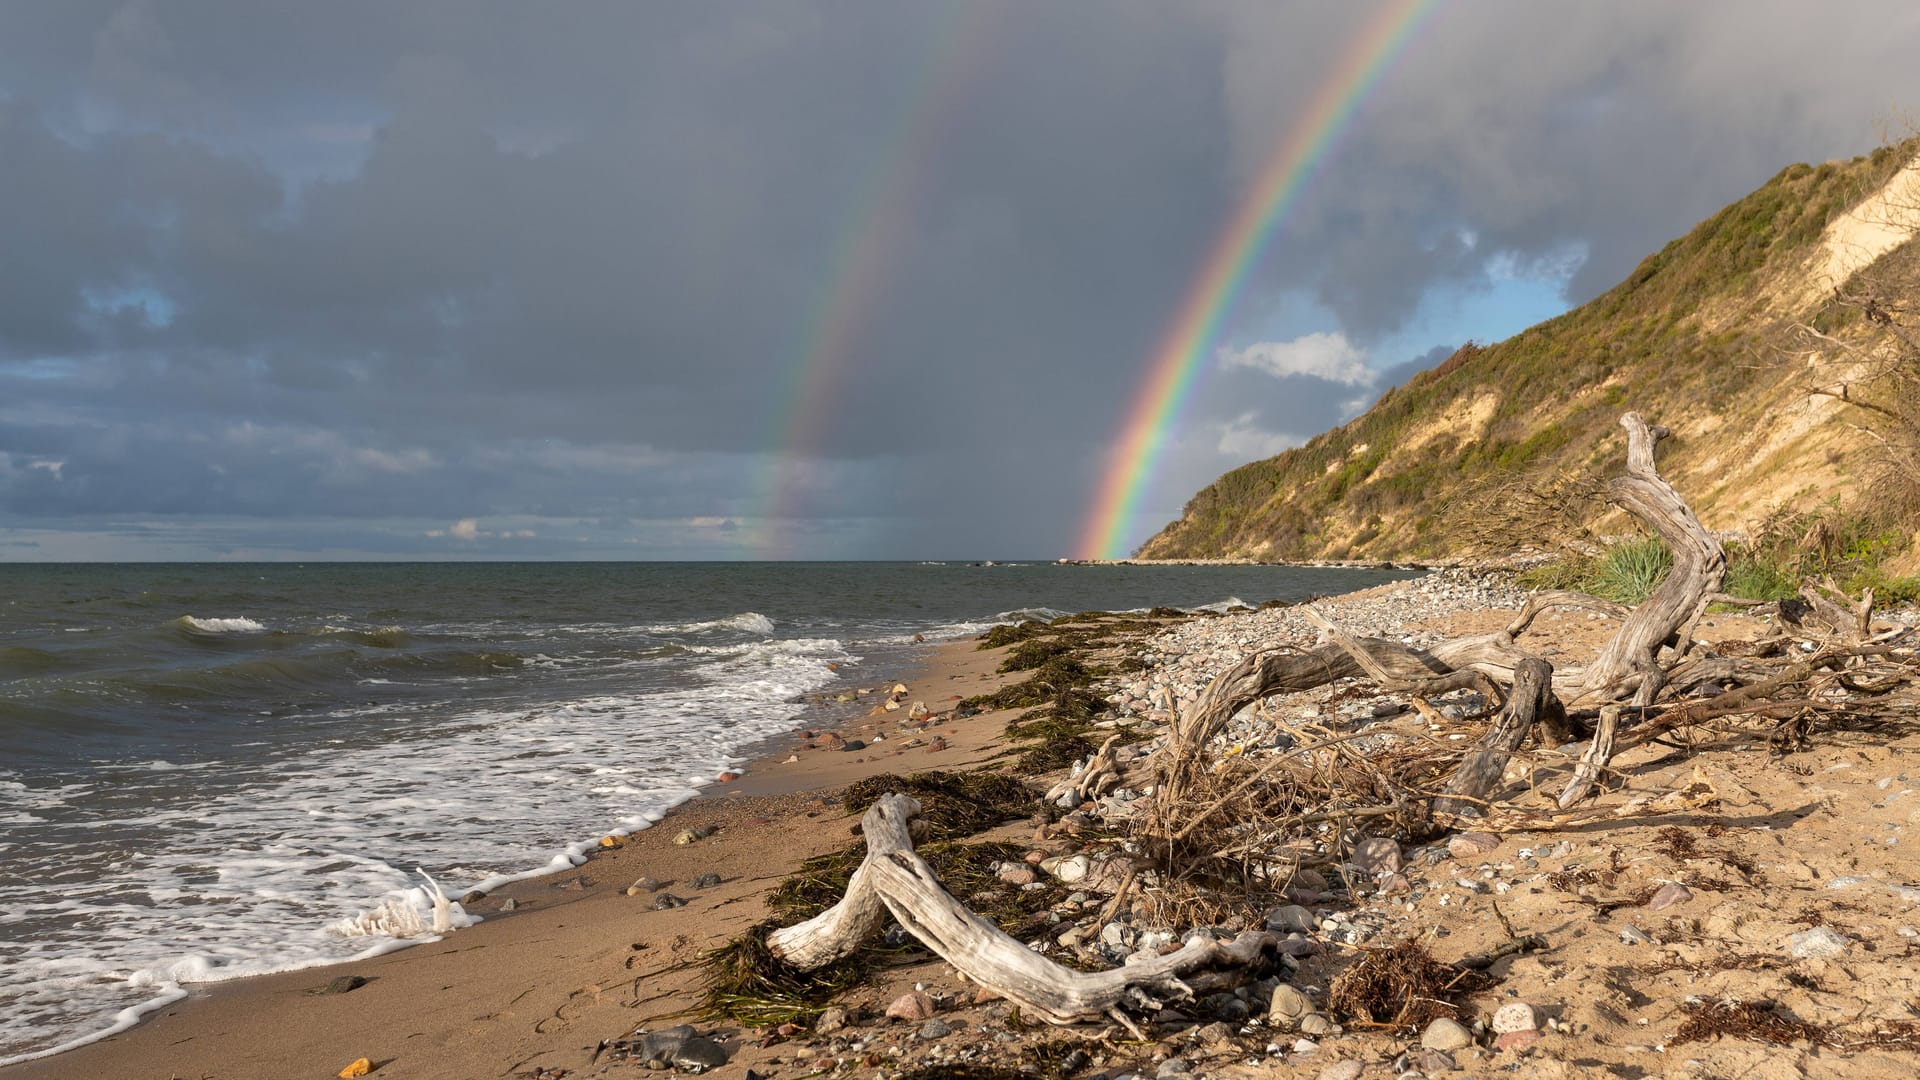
(1629, 572)
(1756, 579)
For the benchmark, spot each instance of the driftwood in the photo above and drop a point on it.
(1532, 702)
(894, 880)
(1629, 665)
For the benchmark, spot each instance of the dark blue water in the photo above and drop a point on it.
(209, 771)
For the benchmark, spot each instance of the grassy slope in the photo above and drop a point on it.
(1689, 339)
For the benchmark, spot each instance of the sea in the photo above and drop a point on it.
(215, 771)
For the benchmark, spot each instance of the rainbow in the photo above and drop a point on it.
(1183, 350)
(878, 226)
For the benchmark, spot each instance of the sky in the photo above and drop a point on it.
(845, 279)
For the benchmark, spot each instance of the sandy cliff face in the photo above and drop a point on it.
(1700, 338)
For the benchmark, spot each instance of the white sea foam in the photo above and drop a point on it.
(248, 875)
(221, 626)
(747, 622)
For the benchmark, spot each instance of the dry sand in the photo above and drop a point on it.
(1780, 846)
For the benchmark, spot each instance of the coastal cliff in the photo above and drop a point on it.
(1727, 336)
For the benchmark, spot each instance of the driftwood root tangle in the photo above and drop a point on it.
(893, 879)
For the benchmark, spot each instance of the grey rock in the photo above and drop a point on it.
(666, 901)
(1445, 1034)
(935, 1028)
(1171, 1067)
(1633, 935)
(344, 984)
(830, 1021)
(1288, 1007)
(680, 1047)
(1342, 1070)
(1292, 917)
(1668, 895)
(1216, 1032)
(1431, 1061)
(705, 881)
(1816, 944)
(509, 904)
(1316, 1024)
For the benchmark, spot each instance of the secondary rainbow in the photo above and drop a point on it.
(1183, 350)
(878, 225)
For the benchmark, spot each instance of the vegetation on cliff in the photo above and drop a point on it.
(1708, 336)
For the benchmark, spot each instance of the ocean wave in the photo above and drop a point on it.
(218, 626)
(748, 622)
(1221, 606)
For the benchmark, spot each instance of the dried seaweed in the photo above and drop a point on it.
(952, 804)
(1759, 1021)
(1401, 987)
(747, 983)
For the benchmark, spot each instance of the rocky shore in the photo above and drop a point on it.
(1730, 911)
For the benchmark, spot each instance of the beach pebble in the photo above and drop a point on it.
(1069, 868)
(1818, 943)
(1342, 1070)
(935, 1028)
(1472, 845)
(667, 902)
(509, 904)
(1515, 1016)
(473, 897)
(1633, 935)
(344, 984)
(1288, 1007)
(359, 1067)
(1316, 1024)
(1516, 1040)
(1172, 1067)
(1292, 917)
(1431, 1061)
(693, 835)
(644, 884)
(1668, 895)
(705, 881)
(913, 1006)
(830, 1021)
(1014, 873)
(1445, 1034)
(1378, 855)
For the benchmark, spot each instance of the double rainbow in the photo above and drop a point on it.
(878, 227)
(1183, 350)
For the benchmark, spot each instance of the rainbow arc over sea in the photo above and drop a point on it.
(877, 228)
(1183, 349)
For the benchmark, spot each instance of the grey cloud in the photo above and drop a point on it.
(372, 263)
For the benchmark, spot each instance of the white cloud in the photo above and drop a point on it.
(1321, 356)
(1243, 440)
(465, 529)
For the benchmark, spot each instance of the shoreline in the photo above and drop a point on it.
(768, 787)
(1645, 913)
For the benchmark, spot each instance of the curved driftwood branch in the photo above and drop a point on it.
(1531, 702)
(897, 879)
(1699, 564)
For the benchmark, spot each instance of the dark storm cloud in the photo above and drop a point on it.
(370, 267)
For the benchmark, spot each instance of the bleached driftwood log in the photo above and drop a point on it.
(893, 879)
(1628, 664)
(1532, 702)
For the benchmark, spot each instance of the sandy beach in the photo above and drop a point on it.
(1722, 874)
